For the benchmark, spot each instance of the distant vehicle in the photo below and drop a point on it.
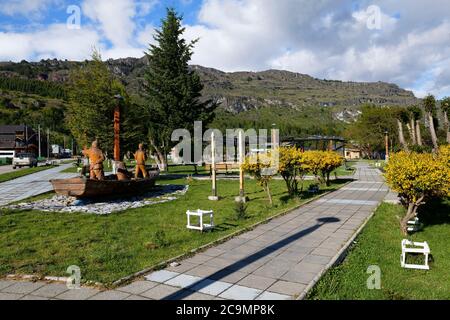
(24, 160)
(56, 150)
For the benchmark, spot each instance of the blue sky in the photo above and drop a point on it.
(405, 42)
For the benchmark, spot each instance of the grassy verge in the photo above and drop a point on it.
(379, 244)
(22, 172)
(107, 248)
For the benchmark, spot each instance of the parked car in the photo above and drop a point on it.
(24, 160)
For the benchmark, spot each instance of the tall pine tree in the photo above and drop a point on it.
(173, 90)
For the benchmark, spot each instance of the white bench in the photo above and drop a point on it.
(414, 247)
(202, 226)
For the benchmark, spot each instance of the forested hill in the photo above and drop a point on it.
(239, 91)
(299, 104)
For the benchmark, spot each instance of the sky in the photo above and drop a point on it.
(406, 42)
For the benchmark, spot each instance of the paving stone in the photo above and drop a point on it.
(5, 283)
(78, 294)
(311, 258)
(324, 252)
(211, 287)
(198, 296)
(161, 276)
(203, 271)
(240, 293)
(138, 287)
(271, 272)
(110, 295)
(198, 259)
(257, 282)
(218, 262)
(10, 296)
(272, 296)
(228, 275)
(136, 298)
(160, 292)
(183, 281)
(51, 290)
(31, 297)
(299, 277)
(183, 267)
(22, 287)
(287, 288)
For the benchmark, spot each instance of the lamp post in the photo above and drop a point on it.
(386, 138)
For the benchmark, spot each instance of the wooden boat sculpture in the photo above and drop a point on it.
(82, 187)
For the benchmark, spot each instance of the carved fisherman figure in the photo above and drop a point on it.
(96, 159)
(140, 162)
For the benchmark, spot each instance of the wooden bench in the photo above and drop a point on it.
(224, 167)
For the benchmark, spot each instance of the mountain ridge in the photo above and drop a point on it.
(240, 91)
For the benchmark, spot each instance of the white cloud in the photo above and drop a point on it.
(115, 19)
(25, 7)
(55, 41)
(326, 38)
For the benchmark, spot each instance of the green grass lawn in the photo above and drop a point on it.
(22, 172)
(380, 244)
(107, 248)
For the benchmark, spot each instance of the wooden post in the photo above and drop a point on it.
(214, 196)
(241, 162)
(387, 146)
(117, 132)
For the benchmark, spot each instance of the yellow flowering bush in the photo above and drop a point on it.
(260, 167)
(322, 163)
(292, 168)
(416, 177)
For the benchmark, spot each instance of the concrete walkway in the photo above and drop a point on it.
(32, 184)
(278, 260)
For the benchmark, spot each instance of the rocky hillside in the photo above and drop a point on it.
(242, 91)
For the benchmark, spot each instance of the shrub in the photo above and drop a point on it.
(260, 166)
(240, 210)
(292, 168)
(322, 163)
(417, 177)
(160, 239)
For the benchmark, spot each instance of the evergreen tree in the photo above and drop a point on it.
(173, 90)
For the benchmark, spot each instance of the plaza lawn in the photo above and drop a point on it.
(379, 244)
(22, 172)
(107, 248)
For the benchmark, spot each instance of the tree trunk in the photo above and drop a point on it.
(433, 132)
(401, 137)
(161, 159)
(418, 133)
(410, 214)
(412, 133)
(447, 126)
(268, 193)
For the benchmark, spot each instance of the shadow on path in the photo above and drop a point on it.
(185, 292)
